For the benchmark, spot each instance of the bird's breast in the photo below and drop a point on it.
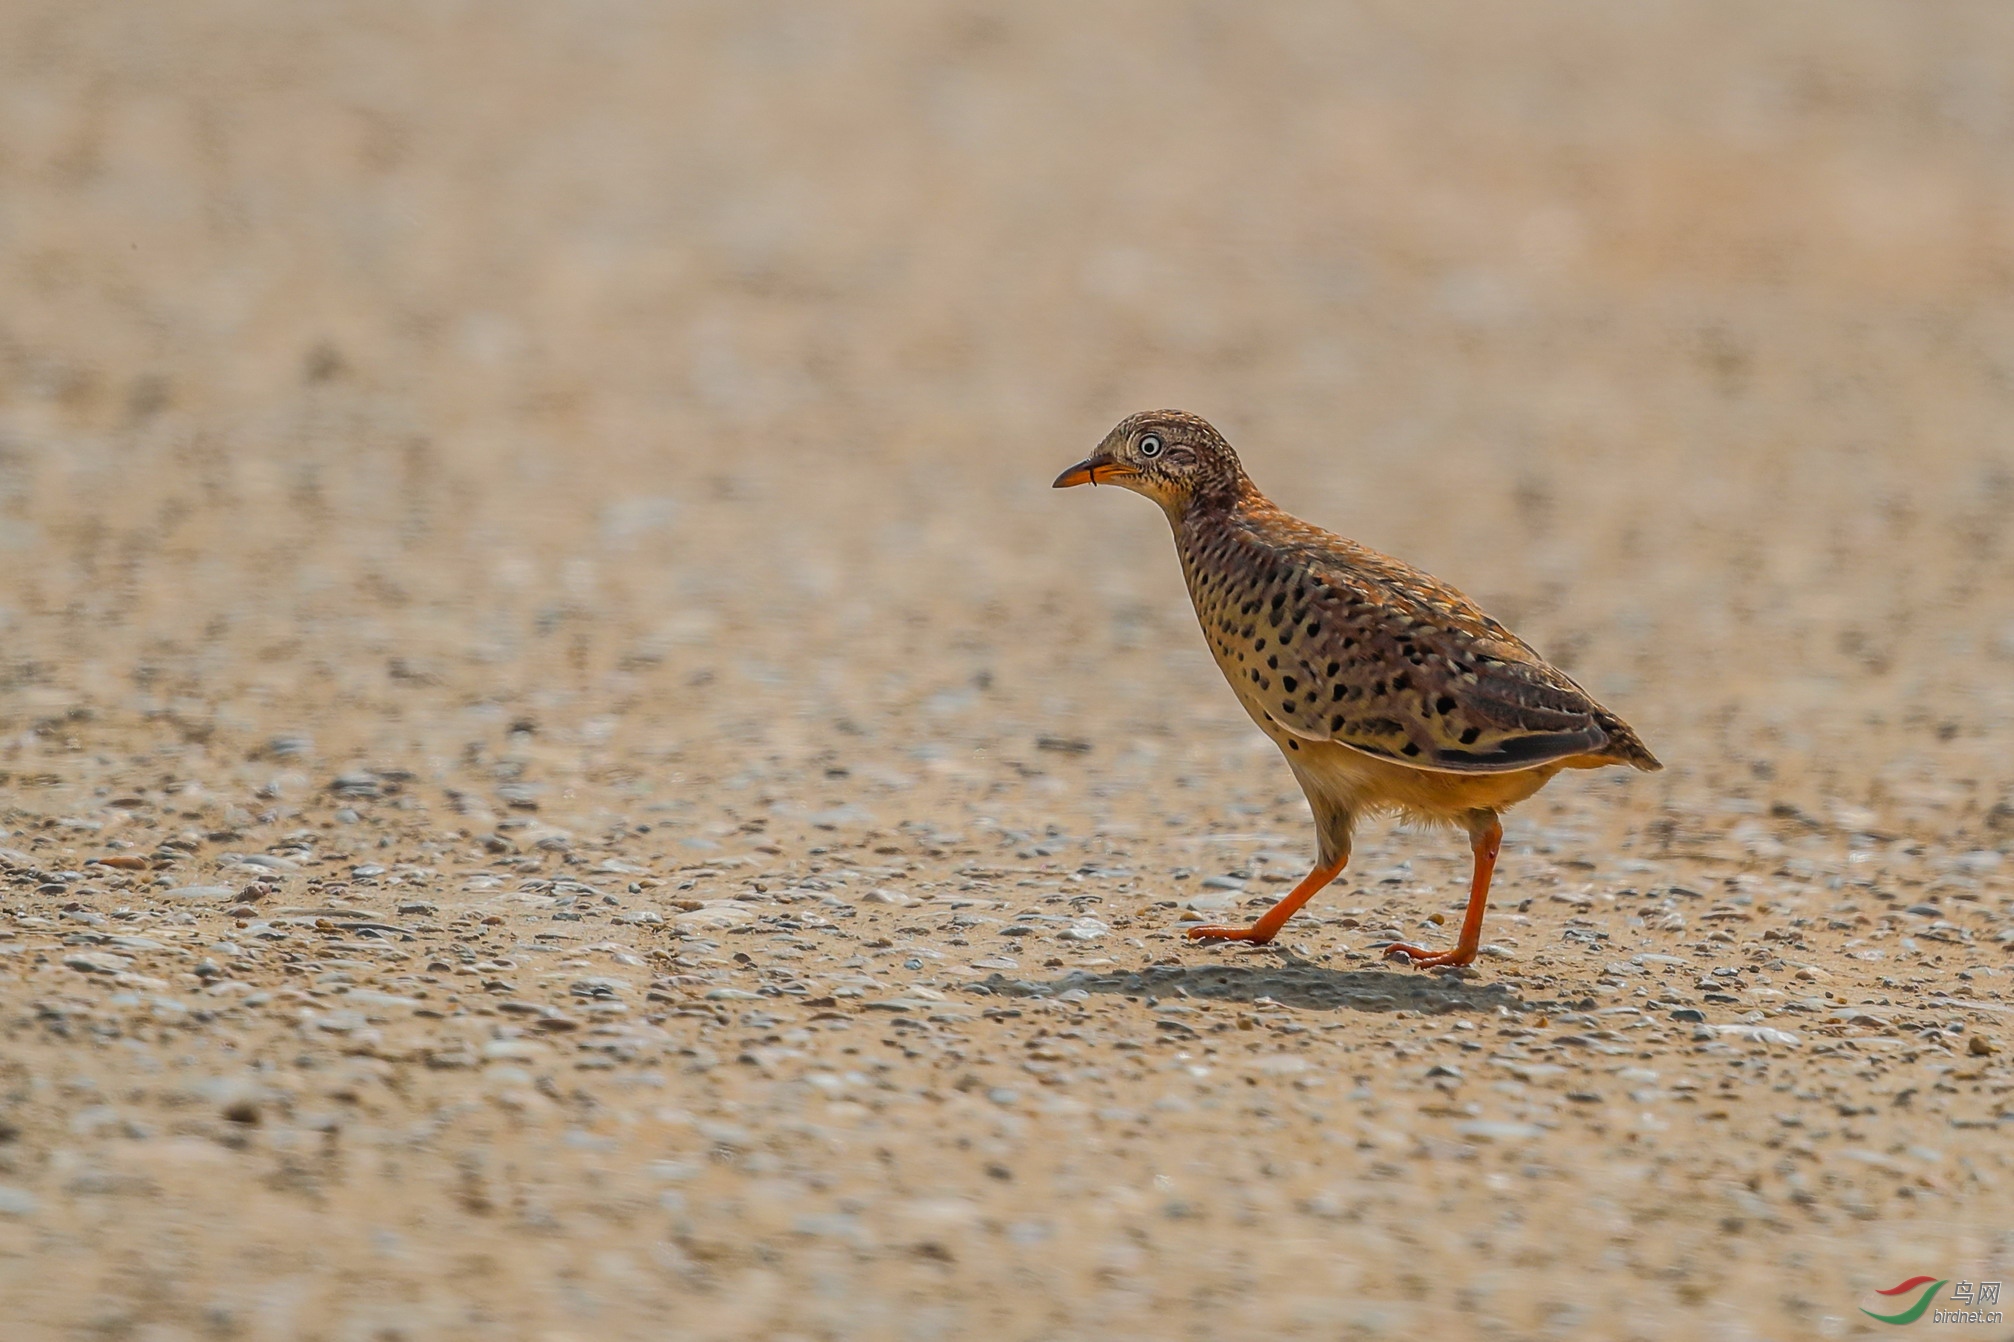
(1229, 576)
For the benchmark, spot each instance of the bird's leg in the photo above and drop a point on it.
(1485, 837)
(1276, 917)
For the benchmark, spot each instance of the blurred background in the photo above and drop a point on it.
(711, 361)
(547, 350)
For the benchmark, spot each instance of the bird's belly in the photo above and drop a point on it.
(1356, 782)
(1240, 681)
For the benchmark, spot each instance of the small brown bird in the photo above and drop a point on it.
(1386, 689)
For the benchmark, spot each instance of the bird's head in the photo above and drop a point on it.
(1173, 458)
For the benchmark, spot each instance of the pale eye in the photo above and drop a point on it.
(1150, 446)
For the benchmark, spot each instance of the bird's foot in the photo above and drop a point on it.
(1213, 932)
(1422, 958)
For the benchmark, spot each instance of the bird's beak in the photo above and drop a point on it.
(1090, 471)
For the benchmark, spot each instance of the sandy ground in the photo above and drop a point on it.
(565, 776)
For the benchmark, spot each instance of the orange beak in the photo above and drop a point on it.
(1087, 472)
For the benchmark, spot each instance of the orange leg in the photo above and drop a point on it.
(1276, 917)
(1485, 841)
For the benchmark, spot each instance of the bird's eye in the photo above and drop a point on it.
(1150, 446)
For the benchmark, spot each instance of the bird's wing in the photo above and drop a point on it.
(1376, 655)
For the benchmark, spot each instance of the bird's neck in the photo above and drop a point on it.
(1204, 519)
(1214, 500)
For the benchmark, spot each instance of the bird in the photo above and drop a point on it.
(1387, 690)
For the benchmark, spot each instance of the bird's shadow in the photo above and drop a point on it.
(1282, 977)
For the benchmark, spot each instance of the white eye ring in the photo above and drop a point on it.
(1150, 446)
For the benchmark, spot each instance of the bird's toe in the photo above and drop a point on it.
(1212, 933)
(1422, 958)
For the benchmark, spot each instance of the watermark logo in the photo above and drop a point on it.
(1912, 1299)
(1923, 1288)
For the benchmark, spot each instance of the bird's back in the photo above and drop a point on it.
(1329, 640)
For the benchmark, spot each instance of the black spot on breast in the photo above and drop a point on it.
(1333, 668)
(1444, 705)
(1469, 736)
(1273, 662)
(1340, 691)
(1409, 749)
(1336, 723)
(1293, 745)
(1377, 687)
(1314, 629)
(1401, 682)
(1287, 706)
(1279, 600)
(1289, 684)
(1349, 643)
(1260, 646)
